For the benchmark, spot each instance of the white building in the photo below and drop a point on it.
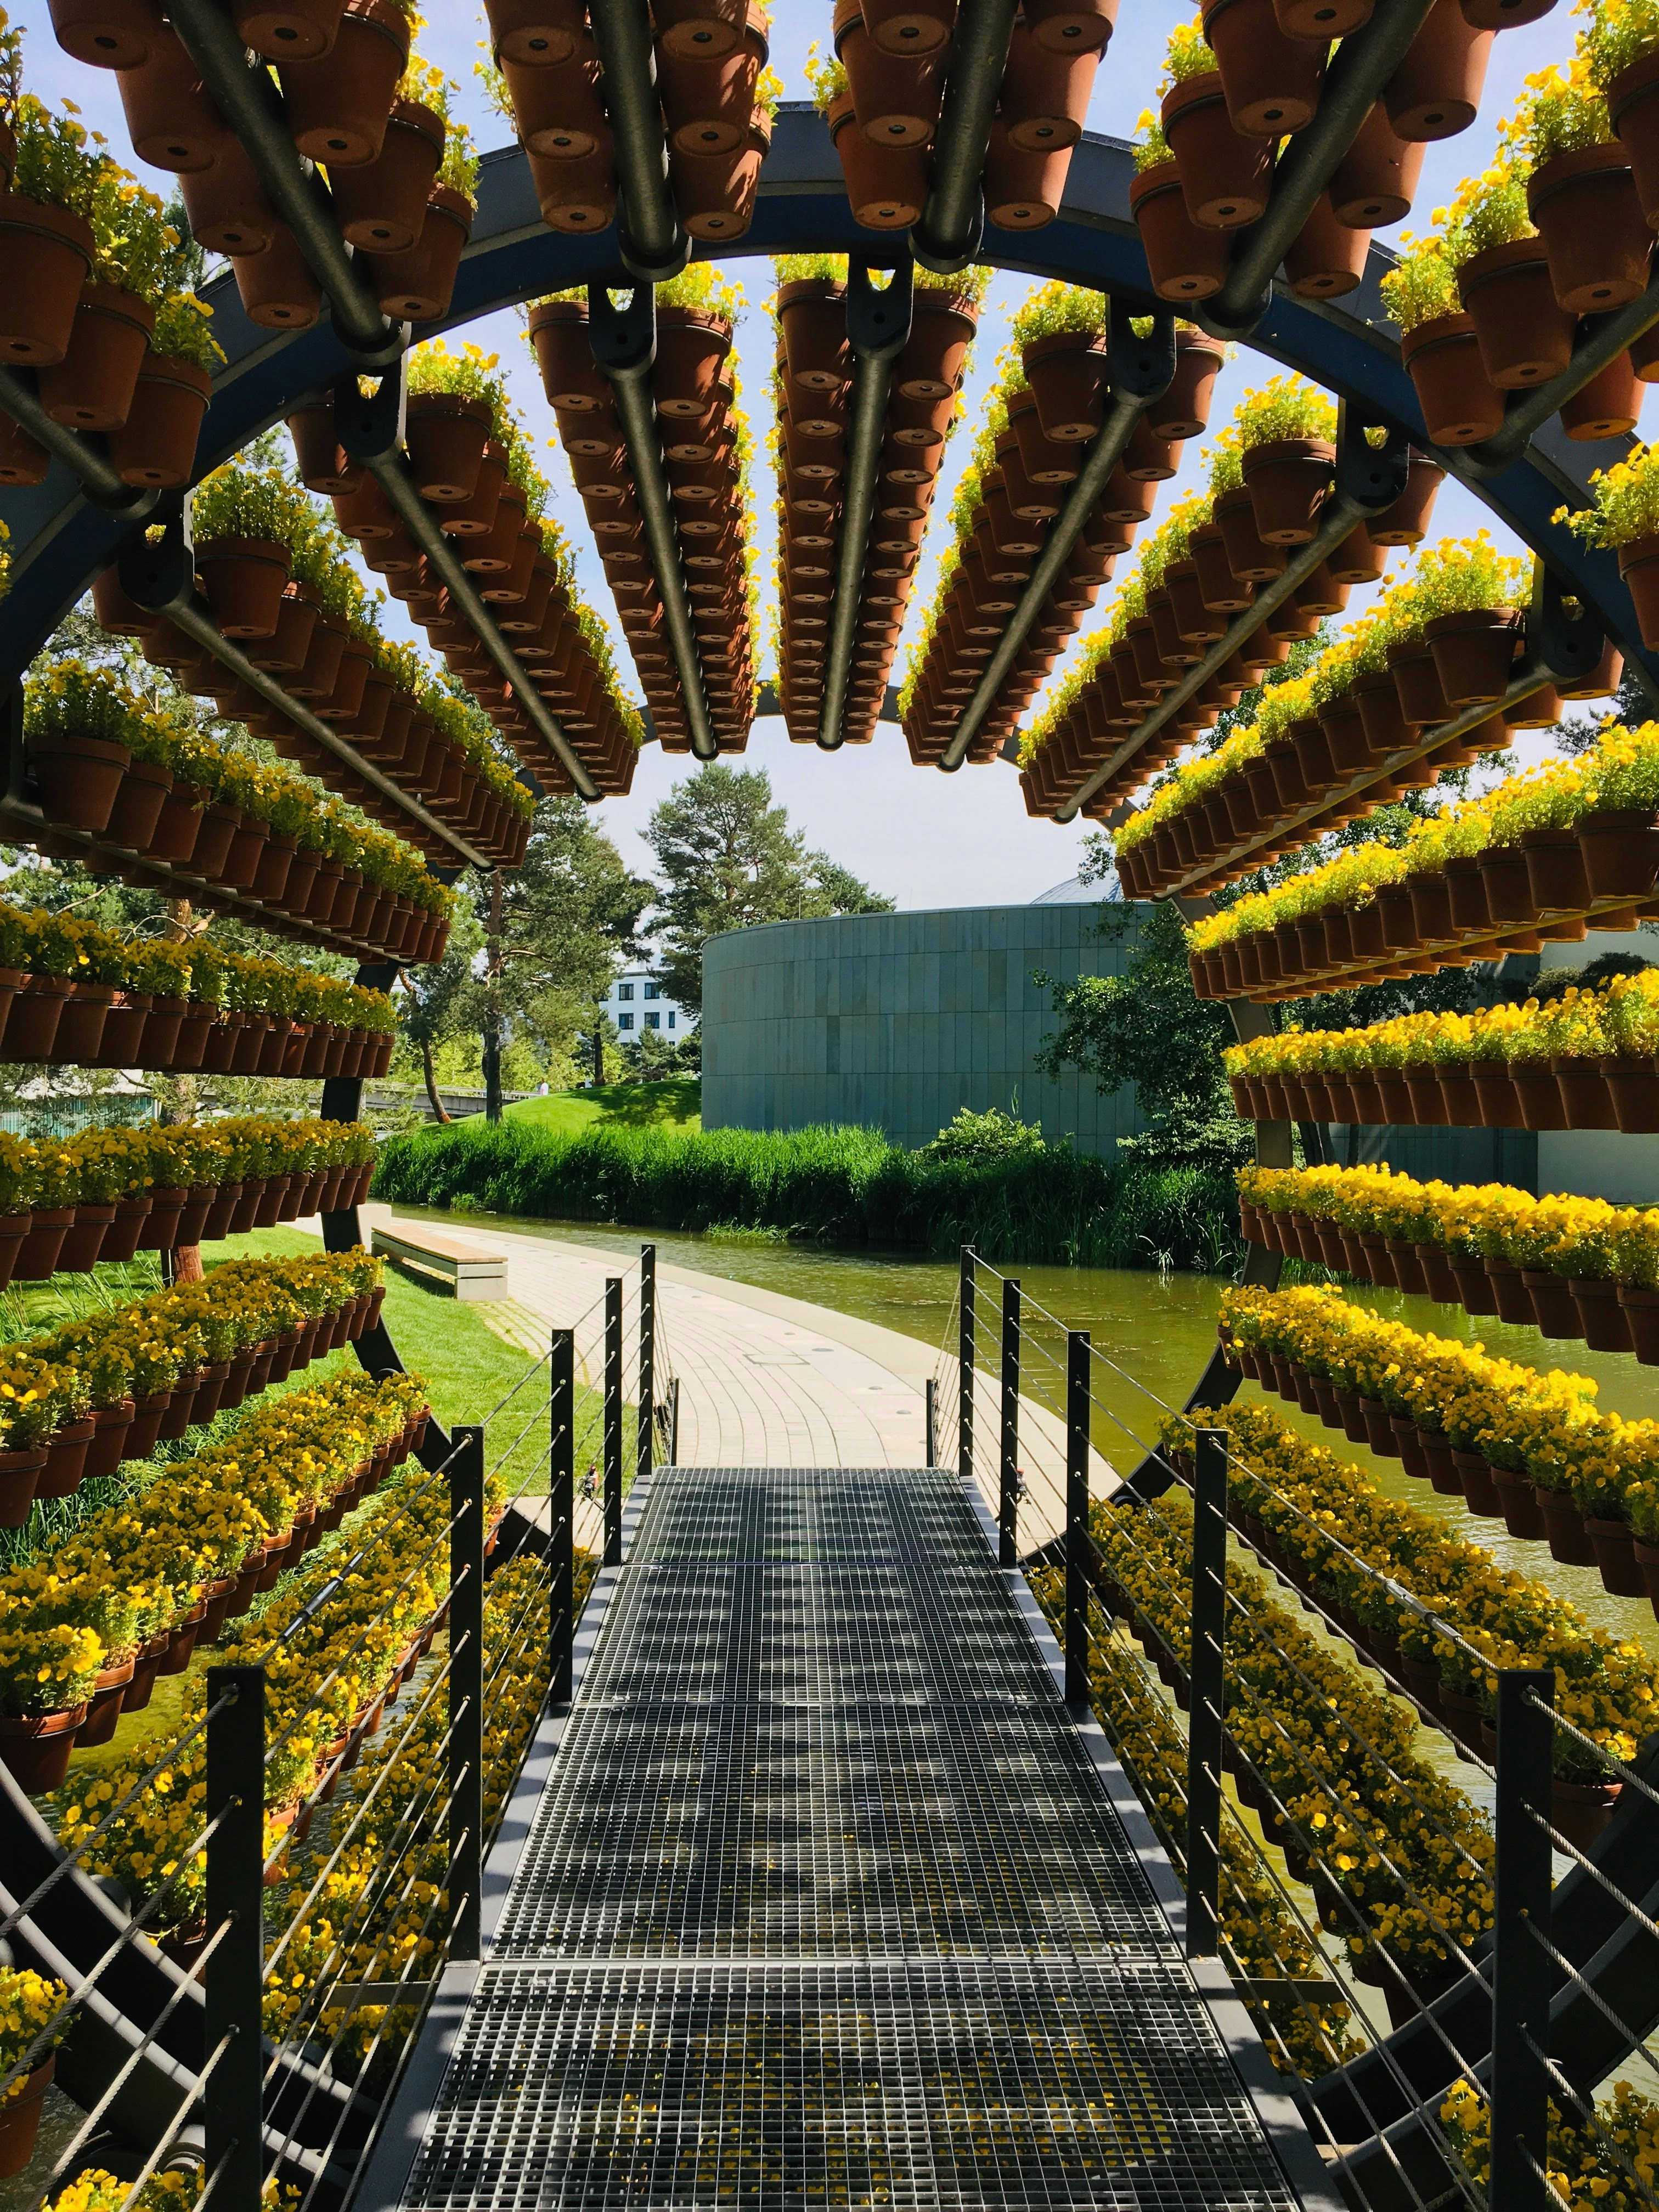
(637, 1001)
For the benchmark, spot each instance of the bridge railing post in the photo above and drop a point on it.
(1008, 1485)
(1078, 1580)
(233, 2106)
(613, 1420)
(466, 1730)
(645, 1436)
(561, 1507)
(674, 1422)
(930, 1421)
(965, 1369)
(1521, 1965)
(1206, 1670)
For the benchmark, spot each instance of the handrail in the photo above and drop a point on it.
(1369, 480)
(953, 219)
(652, 245)
(159, 578)
(371, 429)
(1354, 83)
(878, 328)
(624, 343)
(253, 106)
(1138, 371)
(76, 450)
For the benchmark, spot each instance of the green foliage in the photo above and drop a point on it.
(834, 1186)
(992, 1135)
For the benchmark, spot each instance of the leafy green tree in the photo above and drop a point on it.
(728, 860)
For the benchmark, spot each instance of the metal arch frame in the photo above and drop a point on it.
(61, 538)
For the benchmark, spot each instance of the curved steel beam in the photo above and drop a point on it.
(878, 328)
(85, 454)
(652, 245)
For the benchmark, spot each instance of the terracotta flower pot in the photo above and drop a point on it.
(417, 286)
(1435, 90)
(277, 290)
(1067, 374)
(380, 206)
(48, 251)
(22, 459)
(339, 105)
(1271, 81)
(1595, 236)
(1287, 479)
(1525, 337)
(1638, 566)
(172, 120)
(92, 387)
(1461, 404)
(111, 34)
(289, 30)
(1609, 406)
(1620, 851)
(1327, 257)
(886, 186)
(244, 578)
(1186, 263)
(20, 1471)
(1473, 653)
(1045, 90)
(1022, 186)
(1225, 178)
(543, 33)
(79, 777)
(36, 1752)
(1634, 115)
(155, 445)
(1376, 181)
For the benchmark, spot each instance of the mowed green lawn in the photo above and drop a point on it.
(675, 1106)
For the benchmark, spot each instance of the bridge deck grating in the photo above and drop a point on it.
(824, 1903)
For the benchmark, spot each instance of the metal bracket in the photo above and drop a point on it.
(1567, 645)
(1371, 476)
(878, 322)
(953, 262)
(157, 572)
(623, 339)
(370, 424)
(1145, 366)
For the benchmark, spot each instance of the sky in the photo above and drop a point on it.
(921, 838)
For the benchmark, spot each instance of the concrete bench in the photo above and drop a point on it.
(476, 1275)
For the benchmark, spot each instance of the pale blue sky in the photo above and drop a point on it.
(926, 839)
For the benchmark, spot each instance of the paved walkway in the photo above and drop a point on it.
(765, 1380)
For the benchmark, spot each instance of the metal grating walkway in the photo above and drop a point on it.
(825, 1902)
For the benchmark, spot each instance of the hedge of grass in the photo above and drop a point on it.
(838, 1186)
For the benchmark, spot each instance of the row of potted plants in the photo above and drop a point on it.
(33, 2013)
(1585, 1060)
(1441, 641)
(151, 1578)
(1571, 843)
(707, 451)
(1589, 2159)
(214, 825)
(881, 96)
(1525, 1447)
(68, 1204)
(277, 579)
(1271, 470)
(102, 311)
(1399, 1856)
(1325, 1527)
(334, 1648)
(1261, 1940)
(89, 1393)
(1557, 228)
(74, 993)
(1048, 403)
(812, 382)
(1574, 1267)
(1245, 74)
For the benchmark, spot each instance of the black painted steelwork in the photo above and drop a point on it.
(83, 452)
(235, 1794)
(965, 1366)
(561, 1507)
(1206, 1670)
(1008, 1455)
(613, 1420)
(465, 1624)
(1520, 1968)
(645, 1428)
(1080, 1545)
(952, 227)
(649, 239)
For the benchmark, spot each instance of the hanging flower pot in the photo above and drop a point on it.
(277, 290)
(1184, 262)
(1045, 90)
(895, 97)
(1525, 337)
(1287, 479)
(886, 186)
(1183, 411)
(1435, 90)
(111, 34)
(339, 104)
(1376, 181)
(1609, 406)
(1225, 178)
(380, 206)
(244, 579)
(22, 461)
(1321, 20)
(171, 117)
(1327, 257)
(1406, 522)
(1596, 235)
(715, 195)
(48, 252)
(78, 776)
(445, 434)
(35, 1752)
(1461, 404)
(156, 444)
(1271, 81)
(288, 30)
(577, 197)
(560, 113)
(417, 287)
(1473, 653)
(226, 205)
(1638, 566)
(1504, 14)
(1620, 851)
(692, 346)
(1634, 115)
(1067, 372)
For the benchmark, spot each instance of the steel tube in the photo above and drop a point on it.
(561, 1513)
(644, 1430)
(1206, 1673)
(1603, 339)
(466, 1676)
(1354, 83)
(1008, 1500)
(253, 106)
(159, 578)
(653, 246)
(879, 326)
(1140, 371)
(76, 450)
(624, 342)
(1078, 1544)
(965, 1367)
(612, 1433)
(952, 222)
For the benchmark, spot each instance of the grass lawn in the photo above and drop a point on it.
(675, 1106)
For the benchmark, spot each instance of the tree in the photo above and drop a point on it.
(729, 859)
